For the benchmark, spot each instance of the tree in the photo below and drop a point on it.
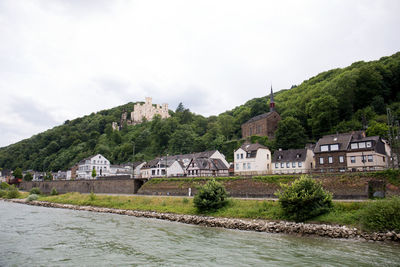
(323, 114)
(290, 134)
(94, 174)
(48, 176)
(210, 197)
(304, 199)
(28, 177)
(378, 129)
(17, 173)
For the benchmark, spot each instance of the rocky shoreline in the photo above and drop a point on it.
(303, 229)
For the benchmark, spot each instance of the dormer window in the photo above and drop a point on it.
(335, 139)
(279, 157)
(298, 155)
(324, 148)
(335, 147)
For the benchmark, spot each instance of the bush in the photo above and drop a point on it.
(54, 191)
(3, 193)
(32, 197)
(35, 190)
(92, 196)
(4, 185)
(381, 215)
(211, 196)
(12, 192)
(304, 199)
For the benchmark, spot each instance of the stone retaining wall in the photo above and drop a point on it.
(323, 230)
(112, 186)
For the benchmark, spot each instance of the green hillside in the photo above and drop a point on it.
(337, 100)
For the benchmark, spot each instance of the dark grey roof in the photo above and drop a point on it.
(377, 144)
(290, 155)
(205, 154)
(208, 164)
(343, 140)
(259, 117)
(252, 147)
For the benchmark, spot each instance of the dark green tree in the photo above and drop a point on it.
(17, 173)
(290, 134)
(28, 177)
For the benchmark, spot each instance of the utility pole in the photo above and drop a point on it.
(166, 166)
(393, 135)
(133, 160)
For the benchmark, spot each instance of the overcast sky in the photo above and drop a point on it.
(60, 60)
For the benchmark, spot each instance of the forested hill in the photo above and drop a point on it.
(338, 100)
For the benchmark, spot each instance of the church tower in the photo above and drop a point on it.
(271, 103)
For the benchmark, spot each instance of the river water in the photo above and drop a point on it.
(37, 236)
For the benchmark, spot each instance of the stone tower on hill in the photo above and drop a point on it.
(142, 111)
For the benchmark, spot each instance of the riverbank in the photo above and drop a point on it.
(259, 225)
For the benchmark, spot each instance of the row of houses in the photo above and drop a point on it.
(333, 153)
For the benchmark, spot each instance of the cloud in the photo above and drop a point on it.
(65, 59)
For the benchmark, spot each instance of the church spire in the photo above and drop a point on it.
(271, 102)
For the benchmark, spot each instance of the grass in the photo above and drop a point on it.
(342, 212)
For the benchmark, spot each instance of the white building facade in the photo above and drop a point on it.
(252, 159)
(97, 162)
(293, 161)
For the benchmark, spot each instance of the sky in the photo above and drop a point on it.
(60, 60)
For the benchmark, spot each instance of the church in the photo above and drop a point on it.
(263, 125)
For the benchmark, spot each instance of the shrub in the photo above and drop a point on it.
(92, 196)
(381, 215)
(32, 197)
(211, 196)
(12, 192)
(54, 191)
(185, 200)
(4, 185)
(35, 190)
(3, 193)
(304, 199)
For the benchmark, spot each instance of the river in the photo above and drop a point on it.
(37, 236)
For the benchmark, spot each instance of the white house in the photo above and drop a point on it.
(122, 169)
(206, 167)
(252, 159)
(97, 162)
(162, 167)
(293, 161)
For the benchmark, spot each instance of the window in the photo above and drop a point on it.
(321, 160)
(299, 164)
(237, 166)
(277, 165)
(293, 164)
(354, 145)
(353, 159)
(334, 147)
(324, 148)
(369, 144)
(384, 159)
(241, 156)
(341, 159)
(330, 159)
(370, 158)
(279, 157)
(287, 164)
(237, 156)
(244, 166)
(282, 165)
(361, 145)
(248, 166)
(363, 159)
(267, 156)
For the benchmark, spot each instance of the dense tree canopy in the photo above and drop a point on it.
(338, 100)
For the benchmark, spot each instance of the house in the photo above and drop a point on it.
(97, 162)
(202, 166)
(252, 159)
(367, 154)
(212, 154)
(60, 175)
(122, 169)
(293, 161)
(350, 151)
(162, 167)
(330, 151)
(263, 125)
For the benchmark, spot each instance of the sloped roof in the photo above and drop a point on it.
(290, 155)
(259, 117)
(252, 147)
(208, 164)
(343, 140)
